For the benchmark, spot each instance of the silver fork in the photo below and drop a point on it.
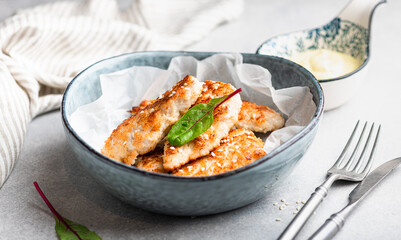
(348, 169)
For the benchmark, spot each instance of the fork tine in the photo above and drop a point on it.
(345, 150)
(358, 144)
(363, 153)
(372, 153)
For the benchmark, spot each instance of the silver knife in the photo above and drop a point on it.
(333, 224)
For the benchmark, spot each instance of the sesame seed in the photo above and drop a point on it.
(282, 207)
(287, 204)
(218, 164)
(297, 202)
(170, 95)
(172, 92)
(236, 146)
(254, 115)
(141, 111)
(172, 148)
(303, 202)
(282, 200)
(295, 212)
(213, 155)
(235, 160)
(275, 204)
(278, 219)
(203, 169)
(297, 208)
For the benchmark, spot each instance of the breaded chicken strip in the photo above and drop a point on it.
(253, 117)
(258, 118)
(224, 118)
(140, 133)
(152, 162)
(239, 148)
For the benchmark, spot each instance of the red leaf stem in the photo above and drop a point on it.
(228, 97)
(50, 206)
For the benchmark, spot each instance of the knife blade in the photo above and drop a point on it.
(372, 180)
(336, 221)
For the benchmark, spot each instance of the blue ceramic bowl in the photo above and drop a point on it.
(190, 196)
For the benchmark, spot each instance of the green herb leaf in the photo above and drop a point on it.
(66, 229)
(195, 121)
(66, 234)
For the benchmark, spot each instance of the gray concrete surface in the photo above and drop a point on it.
(47, 158)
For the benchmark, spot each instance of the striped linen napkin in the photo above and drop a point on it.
(44, 47)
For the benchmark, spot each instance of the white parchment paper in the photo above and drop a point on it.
(124, 89)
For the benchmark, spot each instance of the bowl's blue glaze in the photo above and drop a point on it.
(338, 35)
(189, 195)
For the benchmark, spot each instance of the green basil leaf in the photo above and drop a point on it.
(66, 234)
(195, 121)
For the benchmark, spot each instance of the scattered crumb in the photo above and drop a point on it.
(284, 204)
(278, 219)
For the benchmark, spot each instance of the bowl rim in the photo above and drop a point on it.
(308, 128)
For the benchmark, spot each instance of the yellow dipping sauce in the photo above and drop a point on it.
(325, 63)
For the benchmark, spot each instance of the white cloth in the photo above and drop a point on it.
(44, 47)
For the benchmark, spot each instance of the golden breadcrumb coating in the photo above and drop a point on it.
(224, 118)
(140, 133)
(239, 148)
(258, 118)
(141, 106)
(152, 162)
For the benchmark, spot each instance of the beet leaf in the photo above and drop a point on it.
(195, 121)
(67, 229)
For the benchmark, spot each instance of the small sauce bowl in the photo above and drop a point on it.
(348, 33)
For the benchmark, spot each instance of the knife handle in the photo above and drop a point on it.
(332, 225)
(307, 210)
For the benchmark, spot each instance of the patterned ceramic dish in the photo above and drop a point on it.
(348, 33)
(189, 196)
